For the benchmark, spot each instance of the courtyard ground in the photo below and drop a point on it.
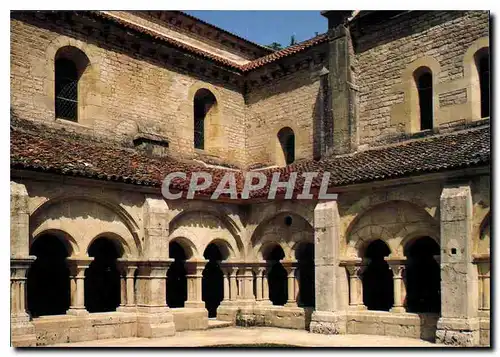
(256, 335)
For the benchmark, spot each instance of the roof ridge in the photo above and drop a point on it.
(223, 30)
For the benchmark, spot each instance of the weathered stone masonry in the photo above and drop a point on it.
(97, 252)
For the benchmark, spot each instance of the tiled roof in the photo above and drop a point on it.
(285, 52)
(259, 62)
(37, 147)
(467, 148)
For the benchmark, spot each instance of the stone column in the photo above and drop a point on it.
(225, 271)
(22, 330)
(329, 316)
(232, 282)
(265, 286)
(355, 269)
(194, 277)
(154, 318)
(458, 324)
(290, 269)
(77, 267)
(247, 284)
(398, 266)
(483, 267)
(127, 269)
(259, 271)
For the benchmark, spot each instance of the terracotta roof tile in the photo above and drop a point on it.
(40, 148)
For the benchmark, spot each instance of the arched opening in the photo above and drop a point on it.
(423, 276)
(204, 103)
(378, 289)
(48, 284)
(423, 80)
(305, 258)
(70, 63)
(277, 275)
(213, 279)
(102, 279)
(482, 60)
(176, 276)
(286, 138)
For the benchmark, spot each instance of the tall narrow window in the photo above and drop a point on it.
(423, 79)
(70, 67)
(286, 139)
(204, 103)
(66, 89)
(483, 69)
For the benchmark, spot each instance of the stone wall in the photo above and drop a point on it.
(386, 52)
(122, 93)
(292, 101)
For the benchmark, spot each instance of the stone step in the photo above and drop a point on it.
(212, 323)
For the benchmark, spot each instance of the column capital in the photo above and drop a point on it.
(77, 265)
(127, 267)
(195, 266)
(19, 266)
(397, 265)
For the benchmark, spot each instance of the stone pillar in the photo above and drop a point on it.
(225, 271)
(265, 286)
(258, 283)
(355, 269)
(154, 318)
(483, 267)
(232, 282)
(398, 266)
(22, 329)
(290, 269)
(247, 284)
(329, 316)
(77, 267)
(458, 324)
(194, 269)
(127, 269)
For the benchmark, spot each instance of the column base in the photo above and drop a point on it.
(155, 321)
(77, 311)
(357, 308)
(398, 309)
(22, 333)
(194, 304)
(128, 309)
(264, 302)
(328, 322)
(291, 304)
(458, 332)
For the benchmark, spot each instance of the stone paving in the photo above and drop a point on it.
(256, 335)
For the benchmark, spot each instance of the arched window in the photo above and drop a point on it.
(176, 277)
(70, 63)
(423, 276)
(423, 80)
(482, 59)
(286, 138)
(378, 290)
(204, 103)
(276, 276)
(66, 90)
(102, 279)
(48, 278)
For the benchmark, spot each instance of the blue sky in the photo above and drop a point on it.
(265, 27)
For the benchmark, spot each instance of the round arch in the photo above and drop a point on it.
(52, 215)
(68, 241)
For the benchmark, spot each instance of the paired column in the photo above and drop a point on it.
(18, 272)
(194, 269)
(127, 269)
(398, 266)
(483, 267)
(233, 295)
(261, 284)
(292, 284)
(355, 271)
(77, 267)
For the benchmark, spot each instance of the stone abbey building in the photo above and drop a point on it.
(393, 104)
